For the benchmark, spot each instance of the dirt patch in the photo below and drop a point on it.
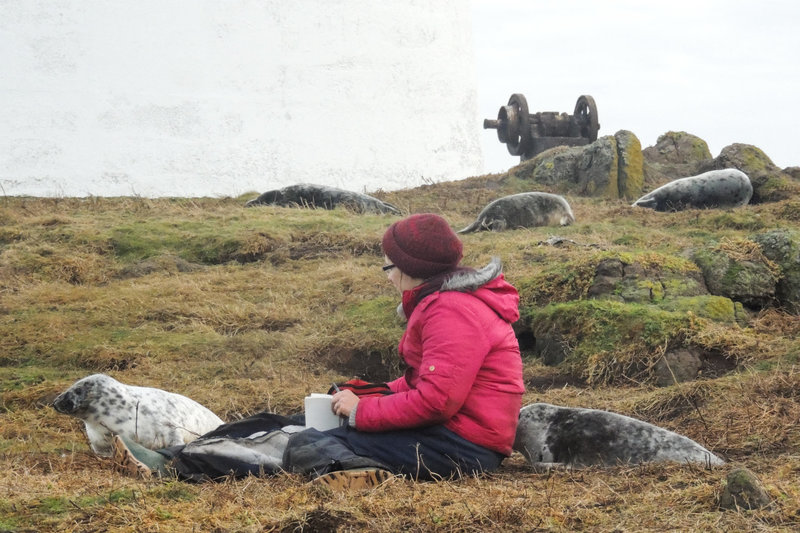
(554, 381)
(373, 366)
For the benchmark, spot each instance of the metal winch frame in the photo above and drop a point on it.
(527, 134)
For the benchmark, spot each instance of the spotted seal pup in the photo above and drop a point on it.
(549, 435)
(308, 195)
(523, 210)
(152, 417)
(717, 188)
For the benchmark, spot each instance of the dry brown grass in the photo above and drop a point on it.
(251, 309)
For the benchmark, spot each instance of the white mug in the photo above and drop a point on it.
(319, 414)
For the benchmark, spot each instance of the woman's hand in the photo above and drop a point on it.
(343, 402)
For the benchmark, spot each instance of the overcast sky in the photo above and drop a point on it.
(727, 71)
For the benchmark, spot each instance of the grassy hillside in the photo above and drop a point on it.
(246, 310)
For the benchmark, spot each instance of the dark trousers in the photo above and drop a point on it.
(427, 453)
(257, 446)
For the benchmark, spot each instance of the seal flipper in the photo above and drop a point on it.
(475, 226)
(644, 201)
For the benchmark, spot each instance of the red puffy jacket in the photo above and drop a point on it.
(464, 366)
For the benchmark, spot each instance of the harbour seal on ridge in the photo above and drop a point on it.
(523, 210)
(716, 188)
(152, 417)
(309, 195)
(549, 435)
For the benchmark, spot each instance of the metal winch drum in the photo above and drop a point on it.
(527, 134)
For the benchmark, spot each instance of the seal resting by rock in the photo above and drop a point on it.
(152, 417)
(549, 435)
(321, 196)
(717, 188)
(523, 210)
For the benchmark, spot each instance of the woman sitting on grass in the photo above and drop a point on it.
(454, 412)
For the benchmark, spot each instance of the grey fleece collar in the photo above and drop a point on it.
(472, 281)
(466, 281)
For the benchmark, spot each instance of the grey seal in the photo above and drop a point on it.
(322, 196)
(716, 188)
(152, 417)
(549, 435)
(523, 210)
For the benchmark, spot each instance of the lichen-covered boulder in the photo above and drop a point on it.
(630, 172)
(582, 170)
(746, 278)
(631, 281)
(628, 277)
(743, 490)
(609, 167)
(602, 342)
(783, 248)
(675, 154)
(770, 183)
(598, 169)
(710, 306)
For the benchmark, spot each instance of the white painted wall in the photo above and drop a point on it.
(221, 97)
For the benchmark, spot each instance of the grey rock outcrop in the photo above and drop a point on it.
(770, 183)
(749, 280)
(632, 283)
(610, 167)
(783, 248)
(743, 490)
(676, 154)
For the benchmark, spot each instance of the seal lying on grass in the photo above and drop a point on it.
(308, 195)
(152, 417)
(549, 435)
(717, 188)
(523, 210)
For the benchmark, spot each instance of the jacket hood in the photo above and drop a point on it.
(488, 285)
(472, 281)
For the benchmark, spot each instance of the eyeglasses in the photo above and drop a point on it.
(387, 268)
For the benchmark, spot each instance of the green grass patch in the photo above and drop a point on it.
(199, 242)
(609, 340)
(174, 491)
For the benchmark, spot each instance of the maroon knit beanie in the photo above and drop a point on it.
(422, 245)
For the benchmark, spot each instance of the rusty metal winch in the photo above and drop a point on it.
(527, 134)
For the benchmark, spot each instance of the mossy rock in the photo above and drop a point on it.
(676, 154)
(630, 174)
(610, 167)
(555, 168)
(783, 247)
(641, 277)
(750, 281)
(605, 341)
(743, 490)
(716, 308)
(770, 183)
(598, 169)
(631, 281)
(590, 170)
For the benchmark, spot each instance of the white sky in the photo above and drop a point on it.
(727, 71)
